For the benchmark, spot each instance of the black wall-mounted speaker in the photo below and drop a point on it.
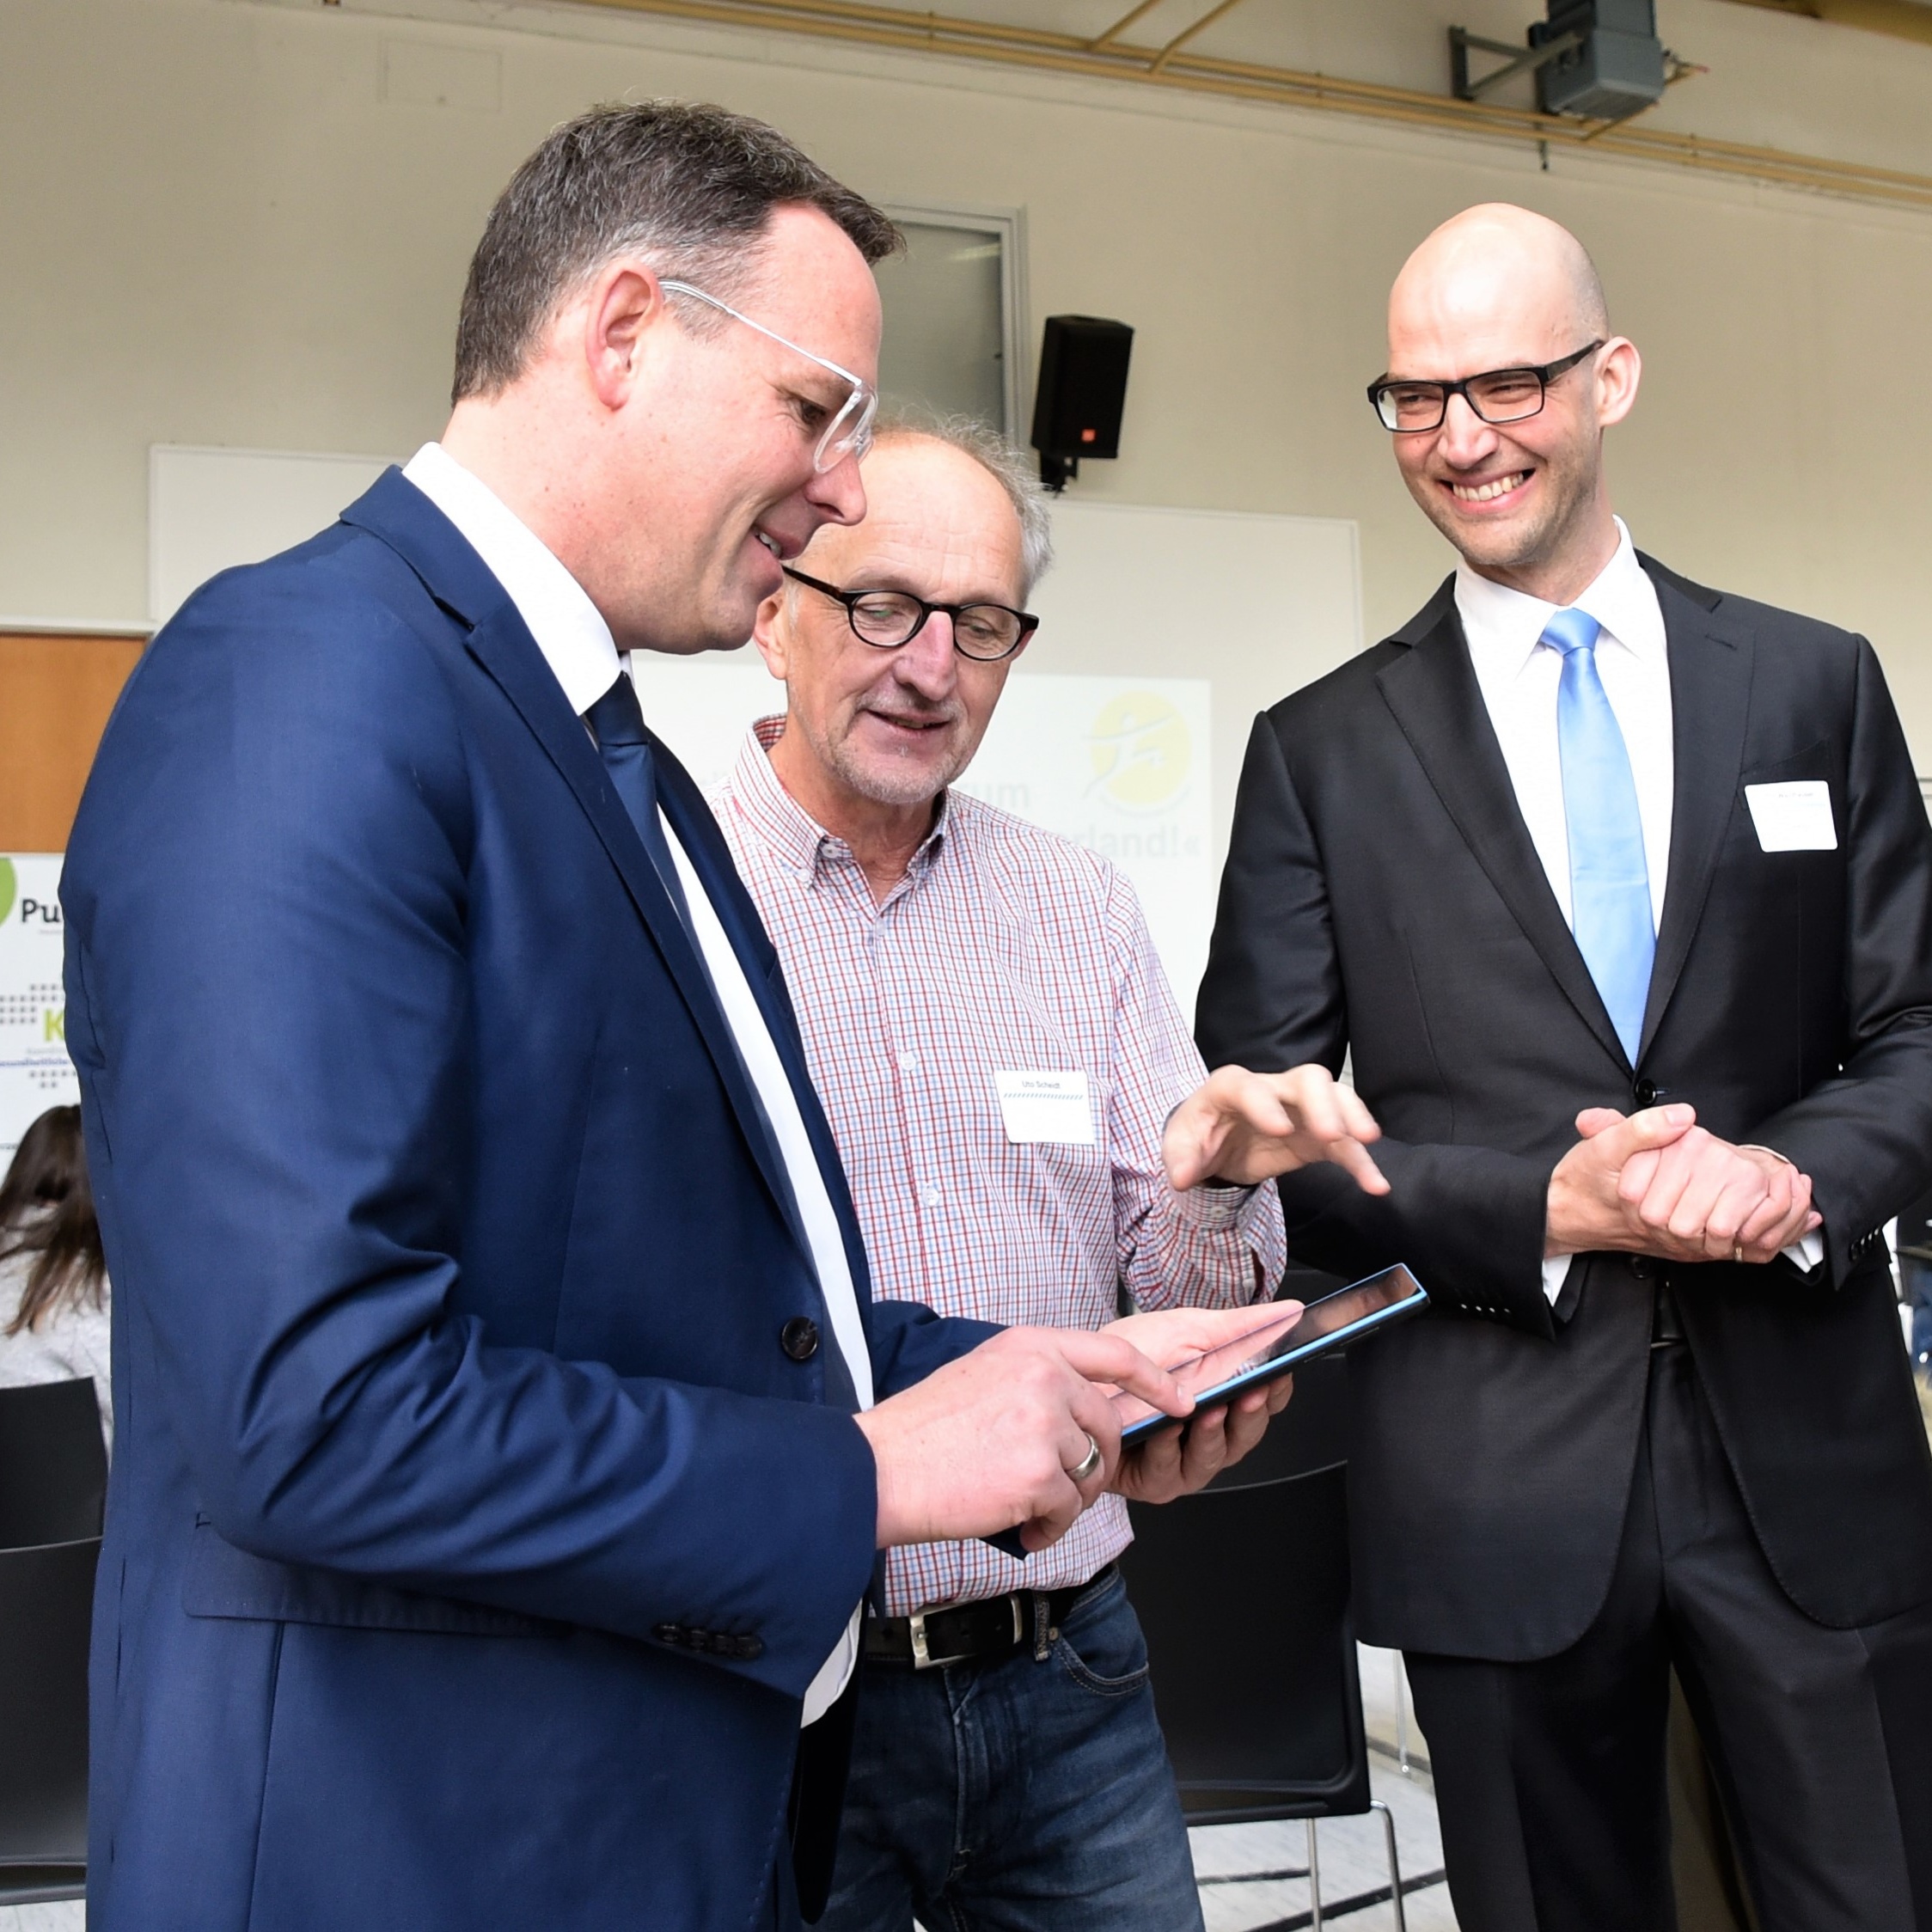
(1082, 389)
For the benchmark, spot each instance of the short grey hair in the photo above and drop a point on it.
(1003, 459)
(689, 187)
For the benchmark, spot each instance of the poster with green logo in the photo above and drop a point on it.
(36, 1072)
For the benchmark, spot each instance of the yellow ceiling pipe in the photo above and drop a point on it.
(855, 22)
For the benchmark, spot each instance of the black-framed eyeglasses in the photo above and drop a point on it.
(1498, 396)
(886, 618)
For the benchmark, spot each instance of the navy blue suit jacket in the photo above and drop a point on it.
(471, 1538)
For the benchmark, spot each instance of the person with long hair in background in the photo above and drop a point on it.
(53, 1281)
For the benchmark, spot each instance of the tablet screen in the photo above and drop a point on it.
(1280, 1339)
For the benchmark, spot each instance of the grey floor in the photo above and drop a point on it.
(44, 1918)
(1349, 1850)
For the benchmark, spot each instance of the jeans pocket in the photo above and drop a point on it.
(1100, 1647)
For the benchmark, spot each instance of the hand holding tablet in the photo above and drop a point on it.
(1276, 1345)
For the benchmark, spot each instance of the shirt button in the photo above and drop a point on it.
(930, 1197)
(908, 1063)
(799, 1338)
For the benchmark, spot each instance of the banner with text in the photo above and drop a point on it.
(36, 1072)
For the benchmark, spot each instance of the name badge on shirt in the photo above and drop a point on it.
(1038, 1106)
(1793, 816)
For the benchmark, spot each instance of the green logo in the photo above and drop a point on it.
(7, 885)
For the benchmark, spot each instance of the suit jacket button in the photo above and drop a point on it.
(668, 1633)
(1646, 1093)
(1640, 1269)
(799, 1338)
(751, 1649)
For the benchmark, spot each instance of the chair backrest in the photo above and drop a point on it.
(1243, 1591)
(53, 1466)
(47, 1602)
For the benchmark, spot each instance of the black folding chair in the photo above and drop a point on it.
(47, 1602)
(53, 1472)
(53, 1468)
(1243, 1591)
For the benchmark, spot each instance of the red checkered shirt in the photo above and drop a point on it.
(1003, 948)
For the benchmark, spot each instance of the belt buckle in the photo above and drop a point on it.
(923, 1658)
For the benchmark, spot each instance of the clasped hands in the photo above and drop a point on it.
(1655, 1183)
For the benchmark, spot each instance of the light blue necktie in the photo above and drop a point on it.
(1609, 881)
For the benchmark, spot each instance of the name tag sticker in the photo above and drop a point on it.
(1794, 816)
(1038, 1106)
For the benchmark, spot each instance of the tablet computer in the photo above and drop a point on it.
(1276, 1345)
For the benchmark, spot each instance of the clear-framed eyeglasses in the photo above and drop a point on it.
(850, 431)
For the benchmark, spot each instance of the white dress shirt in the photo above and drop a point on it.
(1518, 675)
(577, 645)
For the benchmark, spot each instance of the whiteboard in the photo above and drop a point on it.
(1257, 605)
(210, 510)
(1185, 622)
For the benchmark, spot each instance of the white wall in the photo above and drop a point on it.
(246, 223)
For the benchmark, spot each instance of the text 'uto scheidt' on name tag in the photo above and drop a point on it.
(1043, 1106)
(1793, 816)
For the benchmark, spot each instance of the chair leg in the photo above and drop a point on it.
(1395, 1864)
(1314, 1880)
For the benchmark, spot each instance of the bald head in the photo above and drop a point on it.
(1512, 473)
(1498, 275)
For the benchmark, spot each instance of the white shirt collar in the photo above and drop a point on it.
(569, 629)
(1510, 622)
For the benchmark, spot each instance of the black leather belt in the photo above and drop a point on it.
(974, 1633)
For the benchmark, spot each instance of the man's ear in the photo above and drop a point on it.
(626, 302)
(771, 631)
(1619, 370)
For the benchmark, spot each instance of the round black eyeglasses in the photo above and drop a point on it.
(887, 619)
(1498, 396)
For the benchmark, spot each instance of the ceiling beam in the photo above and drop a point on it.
(855, 22)
(1903, 20)
(1126, 20)
(1187, 33)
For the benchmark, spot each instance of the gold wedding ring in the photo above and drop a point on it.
(1737, 1250)
(1088, 1463)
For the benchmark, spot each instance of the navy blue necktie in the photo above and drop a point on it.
(617, 721)
(1610, 877)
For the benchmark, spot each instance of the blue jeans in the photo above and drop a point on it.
(1017, 1796)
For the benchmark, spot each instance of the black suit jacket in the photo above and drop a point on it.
(1382, 896)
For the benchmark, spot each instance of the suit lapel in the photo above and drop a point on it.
(394, 510)
(692, 819)
(1710, 664)
(1432, 690)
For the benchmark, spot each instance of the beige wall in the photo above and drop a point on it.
(233, 222)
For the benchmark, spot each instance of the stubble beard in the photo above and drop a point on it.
(886, 782)
(1569, 487)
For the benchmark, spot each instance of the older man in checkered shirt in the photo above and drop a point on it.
(998, 1054)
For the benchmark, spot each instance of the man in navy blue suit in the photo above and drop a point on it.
(506, 1433)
